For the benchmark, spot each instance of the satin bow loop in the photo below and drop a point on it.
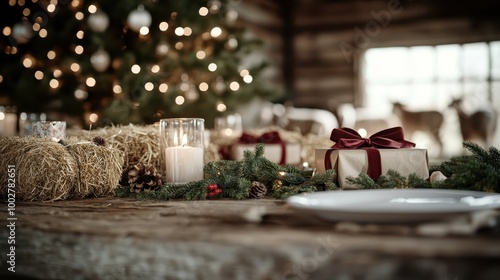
(392, 138)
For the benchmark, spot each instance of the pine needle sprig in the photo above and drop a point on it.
(235, 177)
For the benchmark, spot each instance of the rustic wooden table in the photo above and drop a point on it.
(114, 238)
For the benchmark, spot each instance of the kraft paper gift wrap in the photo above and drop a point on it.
(272, 152)
(276, 149)
(352, 162)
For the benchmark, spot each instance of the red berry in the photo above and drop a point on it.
(211, 194)
(212, 187)
(218, 191)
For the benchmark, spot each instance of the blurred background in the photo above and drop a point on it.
(305, 65)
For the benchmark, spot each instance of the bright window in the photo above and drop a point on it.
(429, 77)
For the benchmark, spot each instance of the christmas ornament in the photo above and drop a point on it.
(142, 178)
(213, 190)
(99, 141)
(22, 32)
(100, 60)
(139, 18)
(257, 190)
(98, 21)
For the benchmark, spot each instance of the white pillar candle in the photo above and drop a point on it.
(184, 164)
(182, 149)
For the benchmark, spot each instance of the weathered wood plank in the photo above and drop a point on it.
(111, 238)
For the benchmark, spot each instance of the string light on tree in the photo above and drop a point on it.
(117, 89)
(216, 32)
(212, 67)
(163, 88)
(54, 83)
(79, 15)
(135, 69)
(75, 67)
(179, 100)
(93, 118)
(200, 54)
(203, 11)
(57, 73)
(155, 68)
(149, 86)
(163, 26)
(203, 86)
(113, 44)
(221, 107)
(43, 33)
(234, 86)
(90, 82)
(51, 55)
(39, 75)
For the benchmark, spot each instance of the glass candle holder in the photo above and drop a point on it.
(230, 126)
(49, 129)
(182, 149)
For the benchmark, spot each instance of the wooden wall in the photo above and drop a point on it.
(317, 44)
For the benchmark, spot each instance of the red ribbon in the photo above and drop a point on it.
(346, 138)
(272, 137)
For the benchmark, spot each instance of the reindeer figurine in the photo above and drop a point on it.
(426, 121)
(479, 126)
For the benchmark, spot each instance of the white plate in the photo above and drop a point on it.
(393, 205)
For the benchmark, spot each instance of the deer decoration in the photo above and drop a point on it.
(479, 126)
(428, 122)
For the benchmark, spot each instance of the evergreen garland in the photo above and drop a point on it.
(235, 178)
(479, 171)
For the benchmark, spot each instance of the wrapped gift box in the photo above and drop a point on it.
(272, 152)
(352, 162)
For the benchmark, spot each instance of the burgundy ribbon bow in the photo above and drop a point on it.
(346, 138)
(272, 137)
(391, 138)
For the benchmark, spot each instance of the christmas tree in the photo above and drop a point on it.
(133, 61)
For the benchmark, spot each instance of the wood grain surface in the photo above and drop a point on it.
(115, 238)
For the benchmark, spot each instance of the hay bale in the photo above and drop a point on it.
(100, 169)
(48, 171)
(45, 171)
(140, 143)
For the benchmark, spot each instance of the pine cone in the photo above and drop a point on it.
(257, 190)
(143, 178)
(99, 141)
